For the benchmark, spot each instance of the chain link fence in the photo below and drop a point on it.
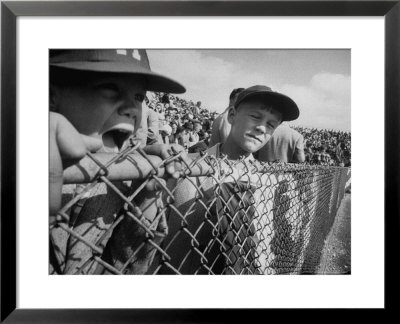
(121, 214)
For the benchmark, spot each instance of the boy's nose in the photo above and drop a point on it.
(129, 109)
(261, 128)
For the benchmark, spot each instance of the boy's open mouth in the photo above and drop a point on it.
(115, 140)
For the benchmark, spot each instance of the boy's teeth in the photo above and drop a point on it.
(111, 150)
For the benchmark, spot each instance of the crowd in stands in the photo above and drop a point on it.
(181, 121)
(326, 147)
(187, 123)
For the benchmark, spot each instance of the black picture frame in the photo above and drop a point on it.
(11, 10)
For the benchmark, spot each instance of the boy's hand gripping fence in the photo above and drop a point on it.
(122, 214)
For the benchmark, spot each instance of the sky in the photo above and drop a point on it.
(317, 80)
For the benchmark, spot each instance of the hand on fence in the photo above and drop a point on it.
(67, 146)
(173, 166)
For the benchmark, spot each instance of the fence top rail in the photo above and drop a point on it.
(139, 166)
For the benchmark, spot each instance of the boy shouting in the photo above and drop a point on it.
(96, 98)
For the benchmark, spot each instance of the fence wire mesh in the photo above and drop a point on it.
(122, 214)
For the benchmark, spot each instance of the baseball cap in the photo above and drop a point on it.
(282, 103)
(131, 61)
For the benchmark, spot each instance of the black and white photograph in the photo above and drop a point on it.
(199, 161)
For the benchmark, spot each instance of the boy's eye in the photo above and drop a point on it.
(108, 89)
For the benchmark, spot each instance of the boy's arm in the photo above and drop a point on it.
(67, 146)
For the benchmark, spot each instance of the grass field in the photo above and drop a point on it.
(336, 256)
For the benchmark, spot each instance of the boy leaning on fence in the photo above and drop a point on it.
(256, 114)
(234, 191)
(96, 101)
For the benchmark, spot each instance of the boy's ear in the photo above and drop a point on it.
(53, 95)
(231, 114)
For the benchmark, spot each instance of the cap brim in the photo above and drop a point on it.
(282, 103)
(155, 81)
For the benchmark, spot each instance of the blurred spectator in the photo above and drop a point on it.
(172, 139)
(221, 126)
(165, 98)
(204, 136)
(195, 110)
(183, 136)
(148, 131)
(285, 145)
(194, 134)
(165, 132)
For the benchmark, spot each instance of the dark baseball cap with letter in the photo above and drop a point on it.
(280, 102)
(131, 61)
